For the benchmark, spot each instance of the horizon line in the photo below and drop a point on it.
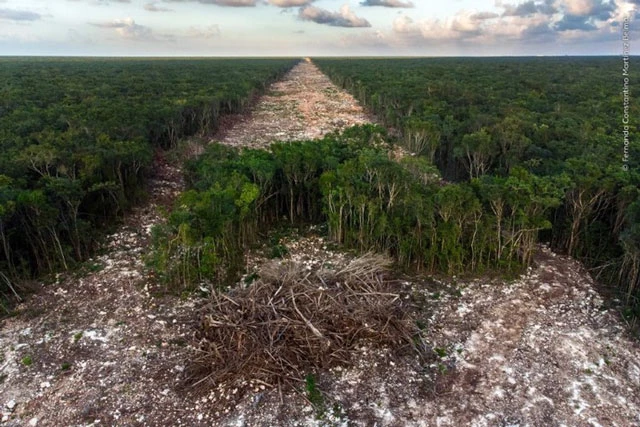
(313, 56)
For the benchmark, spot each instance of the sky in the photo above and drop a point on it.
(315, 27)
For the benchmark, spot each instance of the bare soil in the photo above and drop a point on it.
(95, 345)
(100, 346)
(540, 350)
(305, 104)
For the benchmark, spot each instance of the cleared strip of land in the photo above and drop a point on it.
(305, 104)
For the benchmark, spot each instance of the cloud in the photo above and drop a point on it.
(585, 15)
(461, 26)
(374, 39)
(578, 7)
(229, 3)
(387, 3)
(598, 9)
(532, 22)
(603, 11)
(151, 7)
(128, 29)
(476, 29)
(290, 3)
(528, 8)
(539, 33)
(105, 2)
(18, 15)
(210, 32)
(574, 22)
(480, 16)
(344, 18)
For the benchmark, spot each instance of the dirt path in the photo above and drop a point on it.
(95, 344)
(542, 350)
(305, 104)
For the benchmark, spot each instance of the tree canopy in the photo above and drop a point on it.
(78, 136)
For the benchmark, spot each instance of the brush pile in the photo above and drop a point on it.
(294, 321)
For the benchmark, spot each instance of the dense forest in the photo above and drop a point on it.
(550, 119)
(77, 138)
(505, 153)
(530, 151)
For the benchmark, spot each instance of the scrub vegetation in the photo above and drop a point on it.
(551, 124)
(369, 201)
(78, 138)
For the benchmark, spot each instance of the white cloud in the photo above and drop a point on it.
(230, 3)
(460, 26)
(104, 2)
(210, 32)
(128, 29)
(388, 3)
(529, 22)
(577, 7)
(290, 3)
(344, 18)
(153, 7)
(18, 15)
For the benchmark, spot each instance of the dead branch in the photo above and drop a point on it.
(293, 321)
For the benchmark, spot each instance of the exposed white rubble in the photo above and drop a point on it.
(304, 105)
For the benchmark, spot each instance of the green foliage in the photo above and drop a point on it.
(249, 279)
(236, 195)
(629, 273)
(368, 201)
(422, 137)
(556, 118)
(278, 251)
(373, 203)
(441, 352)
(314, 394)
(78, 136)
(476, 152)
(537, 110)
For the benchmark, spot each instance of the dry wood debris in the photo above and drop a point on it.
(296, 321)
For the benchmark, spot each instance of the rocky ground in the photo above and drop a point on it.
(96, 346)
(100, 346)
(540, 350)
(305, 104)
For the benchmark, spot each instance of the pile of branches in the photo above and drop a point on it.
(294, 321)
